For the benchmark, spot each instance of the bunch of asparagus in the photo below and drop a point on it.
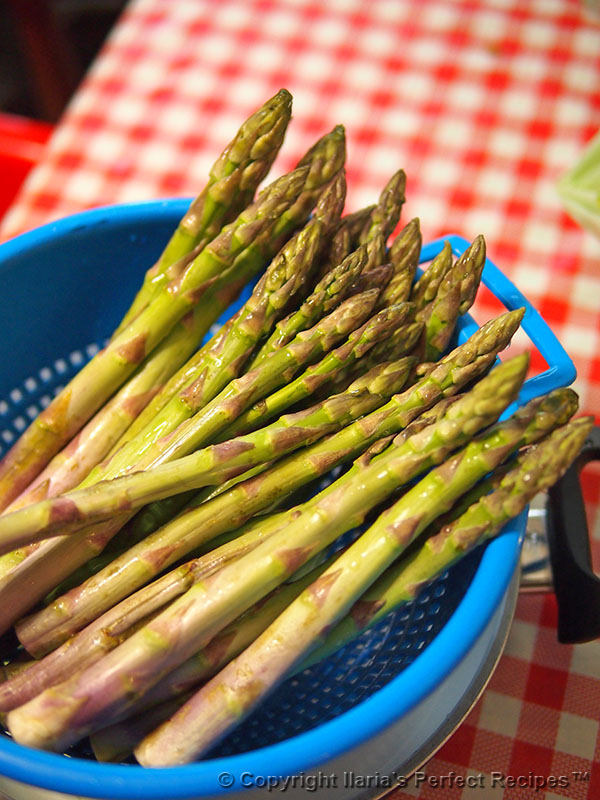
(168, 508)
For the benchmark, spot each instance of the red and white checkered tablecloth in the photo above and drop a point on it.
(485, 103)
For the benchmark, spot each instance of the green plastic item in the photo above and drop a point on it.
(579, 188)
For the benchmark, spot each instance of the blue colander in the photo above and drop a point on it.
(64, 287)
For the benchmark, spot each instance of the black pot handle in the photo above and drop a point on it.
(576, 586)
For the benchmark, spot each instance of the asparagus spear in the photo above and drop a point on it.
(95, 383)
(376, 254)
(535, 470)
(280, 367)
(249, 241)
(194, 618)
(345, 239)
(439, 318)
(363, 226)
(242, 631)
(221, 360)
(360, 341)
(288, 433)
(157, 514)
(118, 741)
(42, 576)
(49, 627)
(400, 343)
(325, 159)
(327, 294)
(199, 429)
(118, 623)
(425, 289)
(404, 257)
(236, 690)
(69, 512)
(226, 354)
(385, 215)
(375, 278)
(233, 179)
(354, 223)
(92, 444)
(470, 264)
(454, 296)
(281, 280)
(339, 249)
(326, 213)
(115, 625)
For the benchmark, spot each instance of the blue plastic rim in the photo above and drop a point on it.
(30, 267)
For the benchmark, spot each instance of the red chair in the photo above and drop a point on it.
(22, 143)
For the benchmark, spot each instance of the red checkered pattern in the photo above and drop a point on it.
(485, 103)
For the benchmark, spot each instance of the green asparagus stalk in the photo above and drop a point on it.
(226, 354)
(455, 295)
(375, 278)
(222, 359)
(440, 317)
(345, 239)
(121, 621)
(370, 392)
(354, 224)
(194, 618)
(535, 470)
(226, 644)
(327, 294)
(115, 625)
(372, 222)
(399, 344)
(326, 214)
(360, 341)
(376, 253)
(103, 375)
(469, 267)
(157, 514)
(280, 367)
(404, 257)
(281, 280)
(46, 629)
(71, 511)
(69, 467)
(232, 694)
(325, 159)
(425, 289)
(385, 215)
(118, 741)
(200, 429)
(249, 241)
(233, 179)
(339, 249)
(154, 516)
(218, 414)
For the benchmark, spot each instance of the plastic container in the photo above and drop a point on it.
(22, 142)
(377, 701)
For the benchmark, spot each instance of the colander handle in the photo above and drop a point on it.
(576, 586)
(561, 370)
